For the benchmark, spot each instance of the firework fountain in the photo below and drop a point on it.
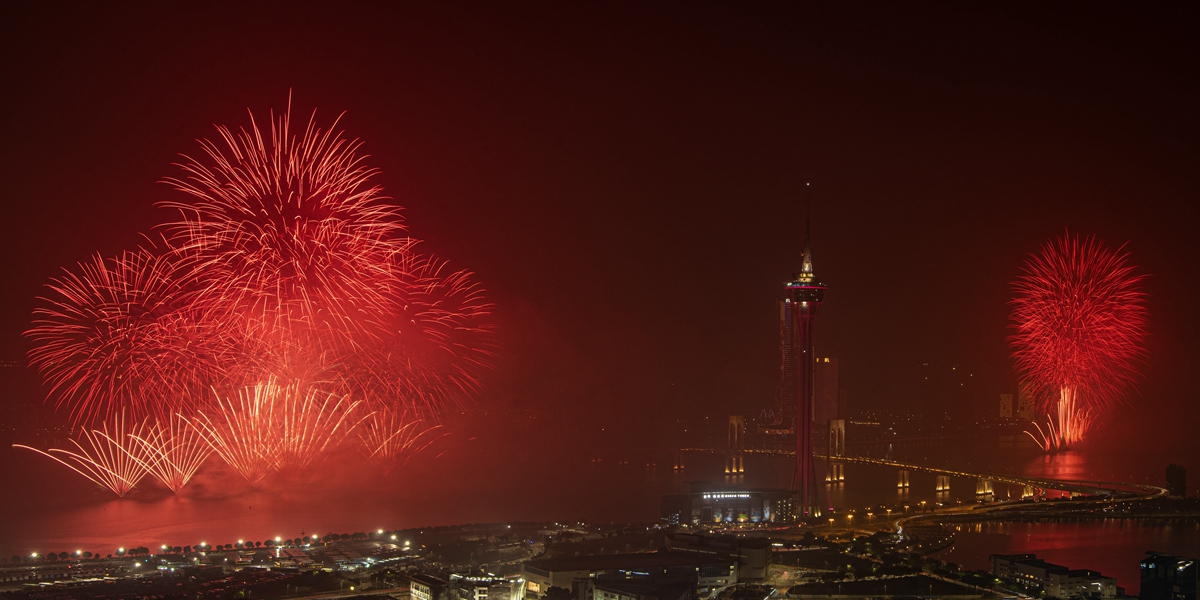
(1080, 320)
(284, 309)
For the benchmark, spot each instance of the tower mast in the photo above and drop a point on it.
(804, 296)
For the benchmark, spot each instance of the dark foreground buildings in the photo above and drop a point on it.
(1169, 577)
(1056, 580)
(1176, 481)
(656, 575)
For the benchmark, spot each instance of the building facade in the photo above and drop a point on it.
(728, 506)
(1056, 580)
(464, 587)
(428, 587)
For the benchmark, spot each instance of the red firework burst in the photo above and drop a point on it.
(285, 265)
(392, 438)
(1080, 320)
(120, 336)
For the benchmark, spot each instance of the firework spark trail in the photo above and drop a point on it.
(239, 430)
(174, 449)
(392, 438)
(107, 456)
(311, 424)
(1080, 320)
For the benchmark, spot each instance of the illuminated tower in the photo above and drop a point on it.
(804, 296)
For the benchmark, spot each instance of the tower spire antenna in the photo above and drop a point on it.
(807, 214)
(806, 267)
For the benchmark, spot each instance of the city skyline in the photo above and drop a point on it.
(628, 217)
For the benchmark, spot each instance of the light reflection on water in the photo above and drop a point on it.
(1113, 547)
(486, 479)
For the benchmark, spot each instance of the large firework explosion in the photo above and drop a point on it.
(285, 306)
(1080, 319)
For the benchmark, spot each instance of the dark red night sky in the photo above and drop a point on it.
(626, 180)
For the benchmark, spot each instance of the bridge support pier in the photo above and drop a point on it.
(902, 479)
(983, 487)
(836, 473)
(943, 483)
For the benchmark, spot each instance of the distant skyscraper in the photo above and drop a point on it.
(825, 394)
(1176, 480)
(1024, 402)
(799, 312)
(1006, 406)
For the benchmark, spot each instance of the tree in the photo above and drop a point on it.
(16, 560)
(63, 556)
(557, 593)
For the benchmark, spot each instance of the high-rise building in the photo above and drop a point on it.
(1024, 401)
(799, 315)
(1176, 480)
(825, 392)
(1006, 406)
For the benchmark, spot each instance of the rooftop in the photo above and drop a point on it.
(611, 562)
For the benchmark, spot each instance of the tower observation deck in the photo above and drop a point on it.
(799, 316)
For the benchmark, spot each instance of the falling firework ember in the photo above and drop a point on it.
(392, 438)
(239, 430)
(286, 264)
(1080, 320)
(107, 456)
(310, 424)
(175, 451)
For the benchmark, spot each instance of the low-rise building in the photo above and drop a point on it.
(428, 587)
(465, 587)
(751, 554)
(707, 506)
(604, 588)
(1057, 581)
(703, 572)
